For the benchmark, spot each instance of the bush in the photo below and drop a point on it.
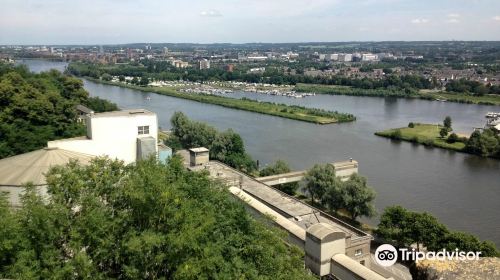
(452, 138)
(397, 134)
(411, 125)
(428, 142)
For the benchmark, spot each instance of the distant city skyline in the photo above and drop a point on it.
(54, 22)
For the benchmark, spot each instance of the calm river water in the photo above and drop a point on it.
(462, 190)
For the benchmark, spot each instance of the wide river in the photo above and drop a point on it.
(462, 190)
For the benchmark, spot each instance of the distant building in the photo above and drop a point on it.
(345, 57)
(229, 68)
(332, 57)
(369, 57)
(180, 64)
(204, 64)
(257, 70)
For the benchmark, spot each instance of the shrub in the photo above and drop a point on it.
(452, 138)
(397, 134)
(411, 125)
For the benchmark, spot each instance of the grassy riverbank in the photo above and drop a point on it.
(422, 94)
(425, 134)
(293, 112)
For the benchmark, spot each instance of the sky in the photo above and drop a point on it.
(245, 21)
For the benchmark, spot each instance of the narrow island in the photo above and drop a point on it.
(294, 112)
(484, 142)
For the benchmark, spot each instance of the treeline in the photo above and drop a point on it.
(353, 197)
(162, 70)
(226, 146)
(485, 143)
(403, 228)
(473, 87)
(142, 221)
(36, 108)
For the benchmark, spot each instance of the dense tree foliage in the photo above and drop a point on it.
(280, 167)
(352, 195)
(227, 146)
(485, 143)
(143, 221)
(473, 87)
(163, 70)
(404, 228)
(36, 108)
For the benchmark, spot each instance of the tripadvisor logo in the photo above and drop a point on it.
(387, 255)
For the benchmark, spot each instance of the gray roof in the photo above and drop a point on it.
(199, 150)
(124, 113)
(84, 109)
(32, 166)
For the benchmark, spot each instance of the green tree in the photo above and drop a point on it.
(280, 167)
(447, 123)
(144, 81)
(452, 138)
(396, 134)
(358, 197)
(143, 221)
(227, 147)
(36, 108)
(106, 77)
(318, 179)
(443, 132)
(405, 228)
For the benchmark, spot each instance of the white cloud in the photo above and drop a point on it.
(496, 18)
(210, 13)
(420, 21)
(453, 18)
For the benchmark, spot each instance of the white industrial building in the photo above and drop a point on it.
(126, 135)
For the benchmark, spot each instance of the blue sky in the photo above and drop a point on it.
(240, 21)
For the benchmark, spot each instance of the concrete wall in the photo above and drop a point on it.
(113, 135)
(14, 193)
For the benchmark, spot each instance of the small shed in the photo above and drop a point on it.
(198, 156)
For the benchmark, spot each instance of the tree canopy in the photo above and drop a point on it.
(143, 221)
(36, 108)
(352, 195)
(226, 146)
(404, 228)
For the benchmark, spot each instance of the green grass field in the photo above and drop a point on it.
(425, 134)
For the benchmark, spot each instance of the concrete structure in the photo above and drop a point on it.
(31, 167)
(126, 135)
(164, 153)
(322, 242)
(198, 156)
(343, 170)
(321, 236)
(82, 113)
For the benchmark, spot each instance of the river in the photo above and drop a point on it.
(462, 191)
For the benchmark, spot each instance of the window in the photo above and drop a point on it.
(362, 262)
(143, 129)
(358, 252)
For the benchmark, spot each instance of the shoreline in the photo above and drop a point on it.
(491, 100)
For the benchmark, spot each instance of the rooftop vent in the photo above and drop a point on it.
(136, 112)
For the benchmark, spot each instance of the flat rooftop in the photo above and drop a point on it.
(124, 113)
(291, 208)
